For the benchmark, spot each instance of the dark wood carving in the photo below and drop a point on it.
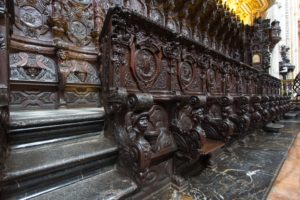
(67, 32)
(168, 96)
(55, 45)
(4, 86)
(265, 36)
(32, 67)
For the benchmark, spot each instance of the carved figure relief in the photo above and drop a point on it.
(185, 73)
(32, 67)
(78, 71)
(138, 6)
(146, 66)
(157, 16)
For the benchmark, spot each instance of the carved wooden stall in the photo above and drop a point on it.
(170, 99)
(179, 78)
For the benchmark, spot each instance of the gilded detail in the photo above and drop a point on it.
(248, 10)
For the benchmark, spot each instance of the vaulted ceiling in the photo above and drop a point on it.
(249, 10)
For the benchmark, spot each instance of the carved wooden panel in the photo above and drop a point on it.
(31, 18)
(80, 72)
(32, 67)
(82, 96)
(33, 100)
(77, 22)
(4, 88)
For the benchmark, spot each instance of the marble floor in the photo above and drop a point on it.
(262, 165)
(287, 183)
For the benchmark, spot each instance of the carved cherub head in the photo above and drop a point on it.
(140, 121)
(244, 108)
(198, 114)
(227, 111)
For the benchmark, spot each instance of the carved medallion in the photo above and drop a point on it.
(31, 16)
(145, 64)
(78, 30)
(146, 68)
(185, 74)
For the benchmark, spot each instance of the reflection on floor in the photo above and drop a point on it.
(287, 184)
(245, 170)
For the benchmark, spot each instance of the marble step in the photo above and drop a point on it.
(46, 117)
(291, 115)
(29, 171)
(110, 185)
(35, 126)
(273, 127)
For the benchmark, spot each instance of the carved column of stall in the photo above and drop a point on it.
(223, 28)
(255, 112)
(241, 117)
(76, 27)
(4, 111)
(265, 36)
(155, 11)
(183, 12)
(228, 34)
(213, 26)
(171, 20)
(188, 132)
(217, 123)
(138, 118)
(206, 11)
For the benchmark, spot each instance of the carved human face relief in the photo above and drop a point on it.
(142, 123)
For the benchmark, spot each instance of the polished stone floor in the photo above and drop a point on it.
(287, 183)
(247, 169)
